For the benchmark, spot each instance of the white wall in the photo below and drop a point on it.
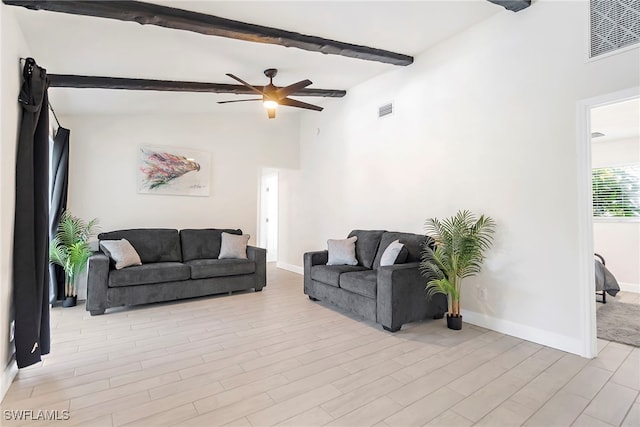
(618, 241)
(484, 121)
(103, 156)
(615, 152)
(103, 166)
(12, 47)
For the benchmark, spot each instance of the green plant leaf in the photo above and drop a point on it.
(70, 248)
(460, 244)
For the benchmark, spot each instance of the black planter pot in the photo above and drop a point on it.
(70, 301)
(454, 322)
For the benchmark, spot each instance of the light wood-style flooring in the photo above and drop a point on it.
(276, 358)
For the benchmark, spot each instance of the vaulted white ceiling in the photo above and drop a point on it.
(70, 44)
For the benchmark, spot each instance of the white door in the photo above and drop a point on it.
(269, 216)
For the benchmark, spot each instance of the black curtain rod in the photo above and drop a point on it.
(49, 102)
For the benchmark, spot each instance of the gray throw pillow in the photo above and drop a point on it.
(390, 255)
(342, 252)
(121, 252)
(233, 246)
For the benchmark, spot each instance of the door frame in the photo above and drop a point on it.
(586, 271)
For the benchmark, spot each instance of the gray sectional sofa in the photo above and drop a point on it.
(175, 265)
(390, 295)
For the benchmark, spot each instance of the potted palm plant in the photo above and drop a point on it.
(70, 249)
(460, 244)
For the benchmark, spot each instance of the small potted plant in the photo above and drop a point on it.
(460, 244)
(70, 249)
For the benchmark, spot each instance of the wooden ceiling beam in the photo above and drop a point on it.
(512, 5)
(179, 19)
(96, 82)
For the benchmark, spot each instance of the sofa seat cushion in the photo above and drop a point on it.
(157, 272)
(360, 282)
(204, 268)
(330, 274)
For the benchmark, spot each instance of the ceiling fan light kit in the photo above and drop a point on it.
(273, 96)
(270, 103)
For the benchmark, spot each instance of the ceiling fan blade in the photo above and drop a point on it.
(253, 88)
(293, 103)
(288, 90)
(271, 112)
(240, 100)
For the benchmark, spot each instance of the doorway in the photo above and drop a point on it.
(615, 156)
(268, 222)
(585, 221)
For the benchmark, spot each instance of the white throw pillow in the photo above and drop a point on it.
(234, 246)
(121, 252)
(342, 252)
(390, 255)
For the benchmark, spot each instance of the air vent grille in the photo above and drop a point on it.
(614, 24)
(385, 110)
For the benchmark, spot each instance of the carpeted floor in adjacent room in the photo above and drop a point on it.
(619, 319)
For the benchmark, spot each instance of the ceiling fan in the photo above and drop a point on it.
(272, 96)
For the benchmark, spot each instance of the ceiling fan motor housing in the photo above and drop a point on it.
(270, 89)
(271, 72)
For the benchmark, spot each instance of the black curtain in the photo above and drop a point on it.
(31, 227)
(59, 186)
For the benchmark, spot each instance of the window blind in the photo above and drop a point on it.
(616, 191)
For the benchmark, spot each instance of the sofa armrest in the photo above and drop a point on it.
(401, 296)
(310, 259)
(97, 283)
(259, 256)
(316, 258)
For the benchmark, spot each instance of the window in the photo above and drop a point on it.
(616, 191)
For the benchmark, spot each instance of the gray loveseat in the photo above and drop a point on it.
(175, 265)
(390, 295)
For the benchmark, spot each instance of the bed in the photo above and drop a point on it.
(606, 283)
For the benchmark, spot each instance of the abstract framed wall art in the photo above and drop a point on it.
(173, 171)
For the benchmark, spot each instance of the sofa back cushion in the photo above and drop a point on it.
(412, 242)
(203, 243)
(366, 246)
(152, 244)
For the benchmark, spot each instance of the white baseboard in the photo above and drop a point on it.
(8, 375)
(540, 336)
(290, 267)
(630, 287)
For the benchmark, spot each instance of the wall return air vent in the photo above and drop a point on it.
(615, 24)
(385, 110)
